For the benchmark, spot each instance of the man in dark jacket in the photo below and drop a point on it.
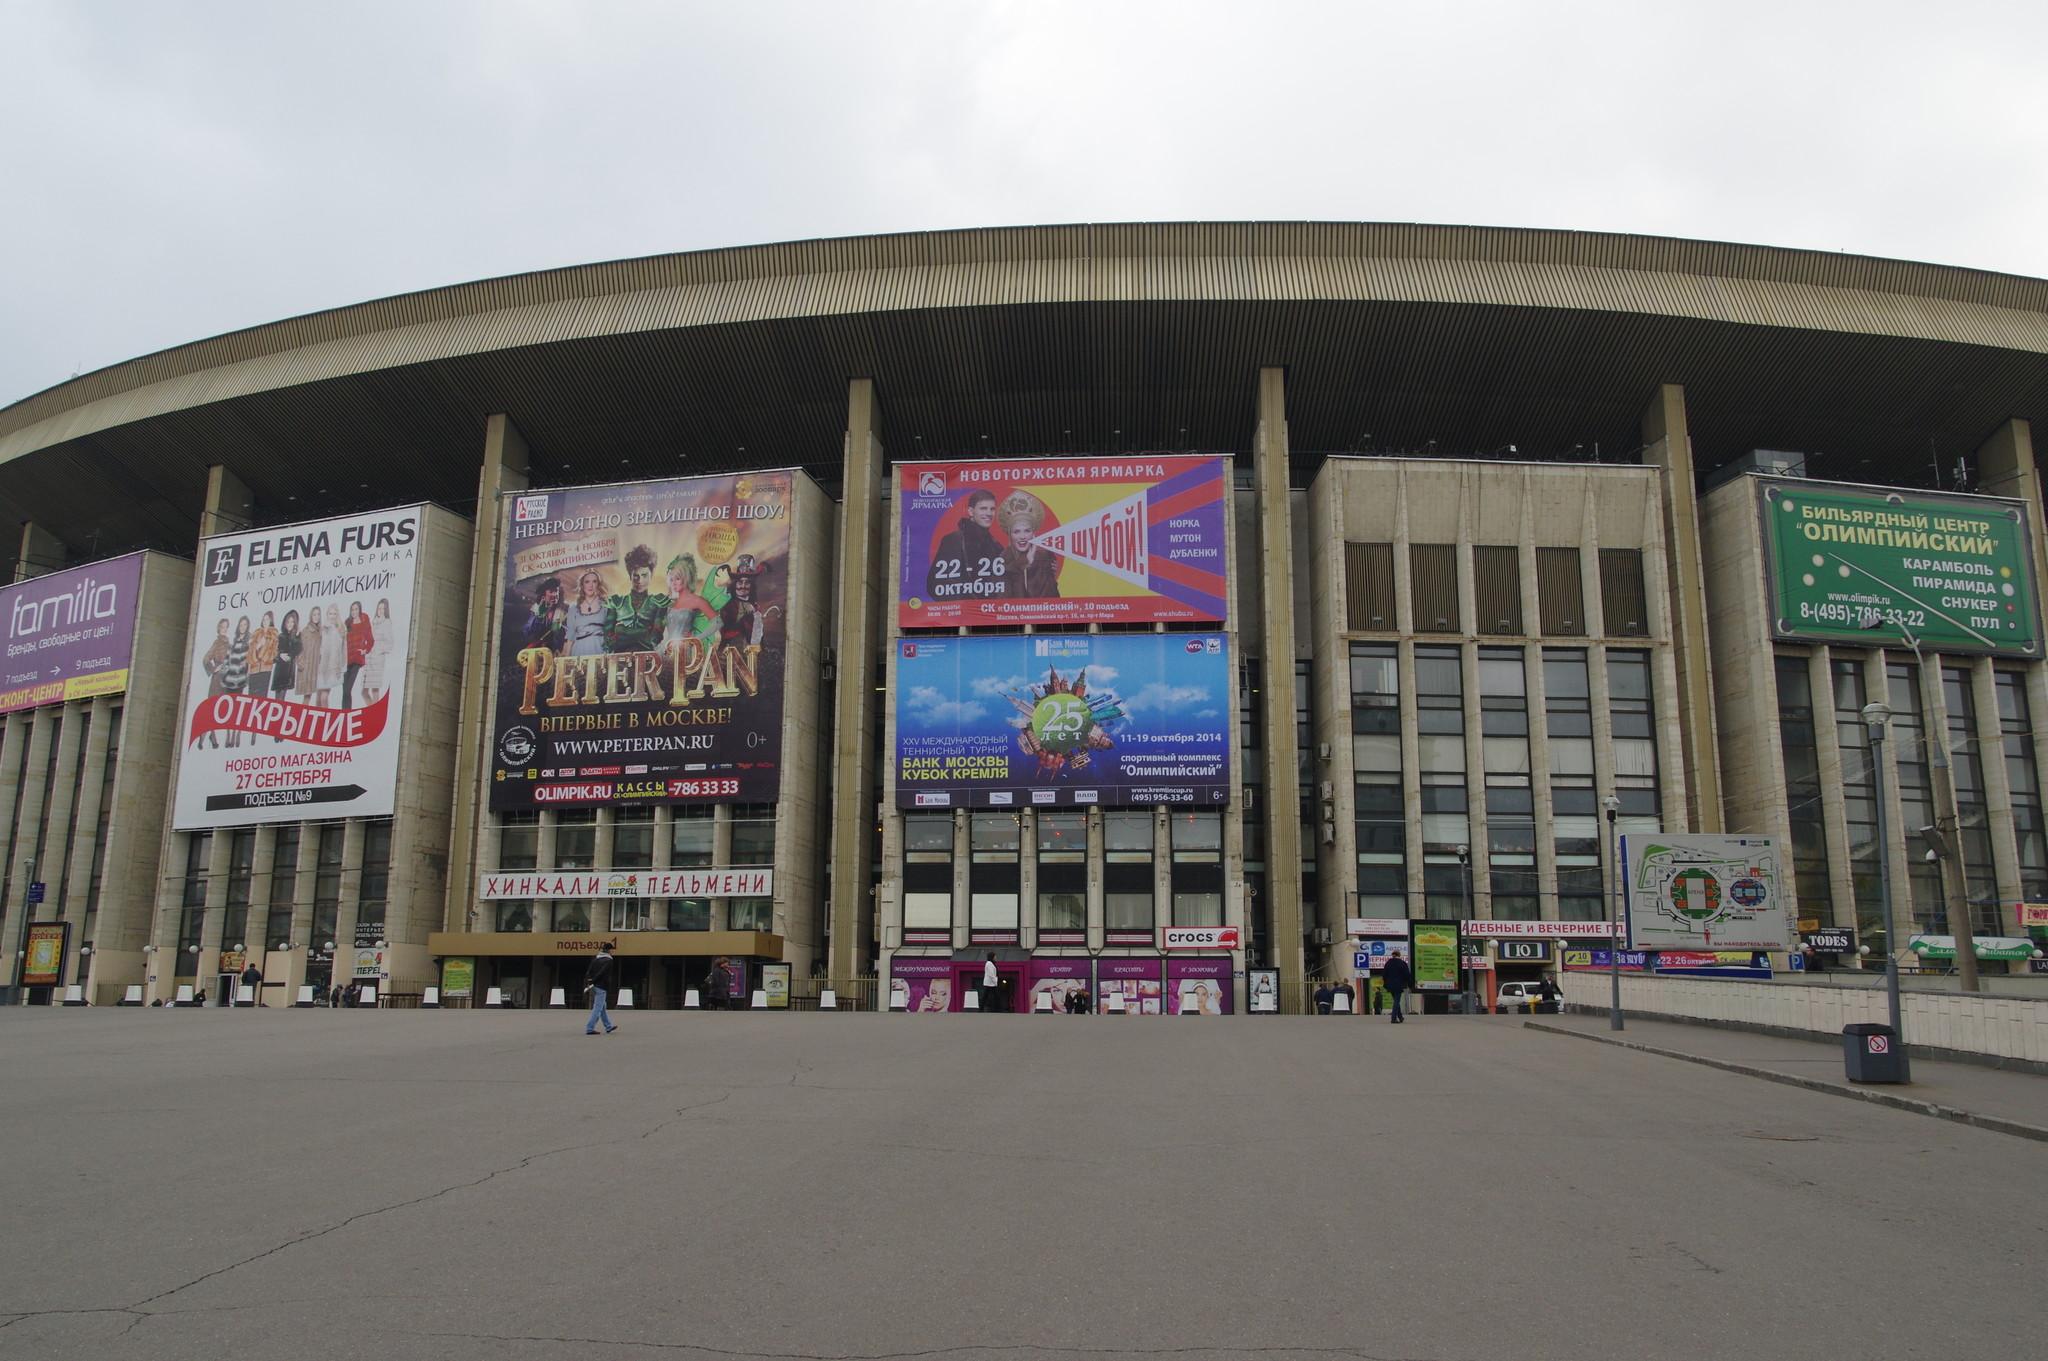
(252, 979)
(1397, 978)
(598, 981)
(969, 562)
(1326, 996)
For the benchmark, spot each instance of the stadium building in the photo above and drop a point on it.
(1178, 613)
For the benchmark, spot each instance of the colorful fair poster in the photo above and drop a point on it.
(458, 977)
(775, 986)
(1063, 720)
(921, 987)
(1436, 956)
(69, 635)
(1136, 981)
(642, 645)
(1131, 539)
(1051, 983)
(1199, 986)
(42, 954)
(296, 682)
(1872, 567)
(1702, 892)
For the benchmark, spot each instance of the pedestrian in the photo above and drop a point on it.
(1547, 994)
(1350, 999)
(1326, 997)
(1379, 997)
(334, 998)
(598, 981)
(252, 979)
(991, 982)
(717, 982)
(199, 998)
(1398, 978)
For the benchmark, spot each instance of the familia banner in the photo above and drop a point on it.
(1869, 566)
(69, 635)
(297, 672)
(1130, 539)
(1112, 719)
(642, 645)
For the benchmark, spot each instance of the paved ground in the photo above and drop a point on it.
(466, 1185)
(2008, 1094)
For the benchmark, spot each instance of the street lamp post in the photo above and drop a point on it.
(1465, 907)
(1612, 804)
(1947, 832)
(1877, 718)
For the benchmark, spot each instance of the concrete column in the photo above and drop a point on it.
(85, 838)
(41, 552)
(351, 895)
(1668, 445)
(229, 506)
(504, 469)
(1276, 594)
(1827, 746)
(2005, 851)
(213, 917)
(1097, 894)
(857, 631)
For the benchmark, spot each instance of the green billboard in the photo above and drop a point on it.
(1436, 955)
(1870, 566)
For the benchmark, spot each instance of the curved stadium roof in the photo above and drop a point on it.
(1397, 338)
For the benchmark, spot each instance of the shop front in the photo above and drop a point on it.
(657, 967)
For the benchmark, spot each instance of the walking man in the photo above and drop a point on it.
(1397, 978)
(991, 982)
(599, 981)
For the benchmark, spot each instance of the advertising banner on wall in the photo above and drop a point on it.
(735, 883)
(1134, 978)
(1055, 980)
(1126, 540)
(458, 977)
(297, 673)
(1435, 955)
(42, 954)
(1110, 719)
(1198, 985)
(1693, 891)
(68, 635)
(1869, 566)
(922, 987)
(642, 643)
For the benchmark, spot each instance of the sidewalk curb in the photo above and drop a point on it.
(1997, 1124)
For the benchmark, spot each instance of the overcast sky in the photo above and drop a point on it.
(178, 170)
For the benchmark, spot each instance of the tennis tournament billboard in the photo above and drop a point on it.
(68, 635)
(296, 677)
(1111, 719)
(1131, 539)
(642, 643)
(1868, 566)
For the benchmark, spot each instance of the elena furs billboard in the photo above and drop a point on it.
(642, 643)
(69, 635)
(296, 677)
(1129, 539)
(1867, 566)
(1123, 719)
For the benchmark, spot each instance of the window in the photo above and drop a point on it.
(1380, 813)
(1497, 584)
(2015, 723)
(1560, 592)
(1446, 887)
(234, 928)
(1368, 586)
(1197, 870)
(1127, 839)
(376, 880)
(690, 837)
(1433, 586)
(1568, 713)
(753, 834)
(327, 885)
(576, 839)
(1635, 744)
(994, 870)
(284, 881)
(1859, 793)
(1623, 604)
(1906, 744)
(515, 914)
(752, 914)
(633, 839)
(928, 870)
(99, 856)
(689, 914)
(192, 906)
(1967, 768)
(572, 915)
(1063, 872)
(1580, 894)
(519, 839)
(1810, 876)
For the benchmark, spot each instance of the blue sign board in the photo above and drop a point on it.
(35, 891)
(1065, 720)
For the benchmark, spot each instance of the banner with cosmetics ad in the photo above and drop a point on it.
(922, 987)
(1056, 980)
(1135, 979)
(68, 635)
(1197, 985)
(1122, 540)
(641, 652)
(1118, 720)
(297, 674)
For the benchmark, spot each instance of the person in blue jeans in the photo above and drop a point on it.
(599, 982)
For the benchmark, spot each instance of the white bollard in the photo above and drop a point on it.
(1340, 1005)
(184, 995)
(368, 996)
(132, 996)
(74, 995)
(828, 1000)
(1114, 1004)
(625, 999)
(1043, 1003)
(430, 998)
(760, 1000)
(899, 1000)
(557, 997)
(494, 997)
(245, 995)
(691, 1001)
(305, 995)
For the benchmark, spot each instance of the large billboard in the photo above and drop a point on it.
(68, 635)
(641, 650)
(1130, 539)
(296, 679)
(1700, 892)
(1110, 719)
(1869, 566)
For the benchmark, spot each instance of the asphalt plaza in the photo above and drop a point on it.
(465, 1184)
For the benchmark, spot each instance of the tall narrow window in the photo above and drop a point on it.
(1635, 741)
(1497, 584)
(691, 846)
(1197, 869)
(1971, 808)
(1127, 838)
(327, 887)
(1433, 583)
(1368, 586)
(1062, 875)
(1624, 606)
(376, 880)
(1560, 592)
(99, 854)
(2015, 722)
(192, 905)
(1859, 791)
(234, 928)
(1380, 812)
(994, 874)
(753, 843)
(1915, 784)
(1810, 877)
(518, 849)
(284, 881)
(928, 871)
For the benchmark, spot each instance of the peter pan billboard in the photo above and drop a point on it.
(1868, 566)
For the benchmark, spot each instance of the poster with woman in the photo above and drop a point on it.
(923, 986)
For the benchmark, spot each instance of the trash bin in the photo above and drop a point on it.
(1871, 1053)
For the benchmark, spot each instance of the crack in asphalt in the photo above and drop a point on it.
(958, 1349)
